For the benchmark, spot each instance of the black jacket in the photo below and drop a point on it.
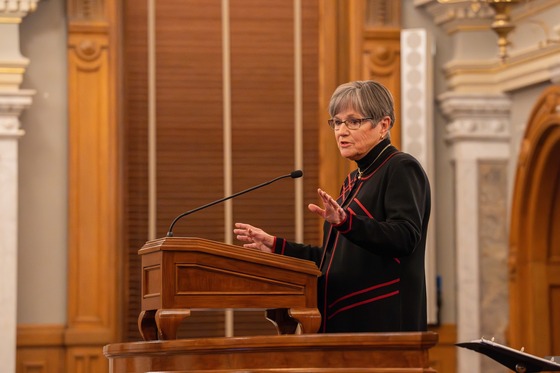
(373, 263)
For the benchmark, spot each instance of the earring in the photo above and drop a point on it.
(381, 137)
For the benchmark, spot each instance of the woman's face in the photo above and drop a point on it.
(354, 144)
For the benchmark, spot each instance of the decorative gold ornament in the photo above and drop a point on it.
(501, 23)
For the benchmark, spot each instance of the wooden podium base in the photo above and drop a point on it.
(363, 352)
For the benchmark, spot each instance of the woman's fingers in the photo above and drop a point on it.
(255, 238)
(332, 211)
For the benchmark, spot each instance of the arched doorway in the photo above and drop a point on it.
(535, 233)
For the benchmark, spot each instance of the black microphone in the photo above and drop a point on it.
(294, 175)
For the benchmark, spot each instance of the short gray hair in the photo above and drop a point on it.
(370, 98)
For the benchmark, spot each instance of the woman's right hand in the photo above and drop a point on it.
(254, 238)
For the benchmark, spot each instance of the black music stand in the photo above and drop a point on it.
(518, 361)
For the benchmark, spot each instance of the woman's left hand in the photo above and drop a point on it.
(332, 212)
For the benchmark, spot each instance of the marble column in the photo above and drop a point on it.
(478, 132)
(13, 101)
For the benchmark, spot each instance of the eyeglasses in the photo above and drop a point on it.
(351, 123)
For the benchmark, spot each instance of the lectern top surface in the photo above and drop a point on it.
(195, 244)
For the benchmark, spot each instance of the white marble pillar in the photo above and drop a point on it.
(417, 134)
(13, 101)
(478, 133)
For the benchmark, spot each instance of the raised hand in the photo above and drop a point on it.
(332, 212)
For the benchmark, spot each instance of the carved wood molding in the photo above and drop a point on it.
(382, 14)
(381, 61)
(93, 241)
(87, 10)
(89, 49)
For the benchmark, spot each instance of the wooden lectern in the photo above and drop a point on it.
(180, 274)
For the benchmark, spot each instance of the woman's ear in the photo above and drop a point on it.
(386, 125)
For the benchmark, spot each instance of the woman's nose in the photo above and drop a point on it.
(342, 129)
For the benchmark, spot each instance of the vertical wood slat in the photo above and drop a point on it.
(263, 112)
(189, 133)
(93, 184)
(136, 219)
(311, 112)
(332, 38)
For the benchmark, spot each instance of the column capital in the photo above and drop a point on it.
(14, 11)
(12, 104)
(12, 63)
(476, 117)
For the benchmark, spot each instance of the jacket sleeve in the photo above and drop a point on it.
(296, 250)
(406, 209)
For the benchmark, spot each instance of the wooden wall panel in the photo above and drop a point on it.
(375, 34)
(381, 61)
(94, 210)
(263, 113)
(189, 129)
(40, 360)
(312, 113)
(91, 214)
(333, 70)
(40, 349)
(135, 158)
(191, 94)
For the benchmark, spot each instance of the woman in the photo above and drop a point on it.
(372, 257)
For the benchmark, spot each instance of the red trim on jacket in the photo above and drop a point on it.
(364, 302)
(365, 291)
(364, 208)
